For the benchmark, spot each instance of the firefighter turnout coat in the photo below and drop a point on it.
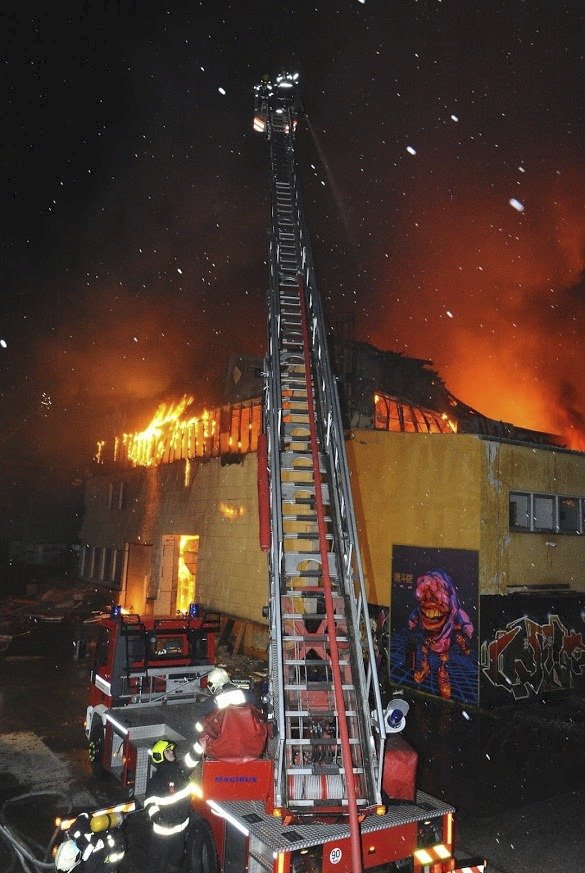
(167, 799)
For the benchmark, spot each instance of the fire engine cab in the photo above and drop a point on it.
(146, 675)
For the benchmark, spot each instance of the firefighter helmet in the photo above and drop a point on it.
(68, 856)
(217, 678)
(158, 750)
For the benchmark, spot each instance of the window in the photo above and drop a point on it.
(164, 646)
(117, 495)
(543, 512)
(569, 515)
(85, 565)
(102, 648)
(117, 565)
(519, 511)
(546, 513)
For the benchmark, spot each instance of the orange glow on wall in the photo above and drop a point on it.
(231, 512)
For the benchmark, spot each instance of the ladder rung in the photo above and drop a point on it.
(310, 639)
(310, 616)
(316, 686)
(318, 770)
(311, 662)
(312, 537)
(322, 741)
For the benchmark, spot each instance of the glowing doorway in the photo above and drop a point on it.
(187, 571)
(178, 574)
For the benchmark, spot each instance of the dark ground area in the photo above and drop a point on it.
(516, 776)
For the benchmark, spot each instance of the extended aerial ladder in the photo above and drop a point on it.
(327, 707)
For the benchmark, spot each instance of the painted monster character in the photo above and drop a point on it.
(443, 622)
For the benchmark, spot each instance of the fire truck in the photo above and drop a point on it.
(317, 801)
(318, 798)
(146, 675)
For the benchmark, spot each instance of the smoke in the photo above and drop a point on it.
(495, 297)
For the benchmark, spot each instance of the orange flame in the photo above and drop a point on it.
(186, 586)
(147, 447)
(171, 436)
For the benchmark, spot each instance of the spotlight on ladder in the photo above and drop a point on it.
(395, 715)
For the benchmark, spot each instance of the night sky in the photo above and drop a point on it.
(134, 230)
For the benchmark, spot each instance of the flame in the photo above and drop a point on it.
(392, 414)
(172, 436)
(148, 447)
(186, 571)
(495, 299)
(451, 424)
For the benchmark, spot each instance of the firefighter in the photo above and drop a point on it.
(96, 851)
(230, 723)
(167, 801)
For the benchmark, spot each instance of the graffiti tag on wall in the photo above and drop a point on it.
(526, 658)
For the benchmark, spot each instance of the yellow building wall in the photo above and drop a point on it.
(219, 504)
(512, 559)
(426, 490)
(413, 490)
(232, 570)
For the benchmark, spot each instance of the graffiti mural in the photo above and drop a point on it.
(434, 621)
(524, 658)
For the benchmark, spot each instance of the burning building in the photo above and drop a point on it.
(458, 515)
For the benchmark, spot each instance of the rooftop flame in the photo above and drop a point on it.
(168, 428)
(172, 436)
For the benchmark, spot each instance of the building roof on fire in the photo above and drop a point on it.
(363, 370)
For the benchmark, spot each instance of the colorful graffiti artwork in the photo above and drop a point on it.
(433, 643)
(526, 658)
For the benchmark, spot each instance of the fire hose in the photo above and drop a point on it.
(17, 846)
(22, 850)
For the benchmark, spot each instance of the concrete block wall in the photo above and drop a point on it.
(220, 506)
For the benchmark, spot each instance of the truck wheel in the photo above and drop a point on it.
(96, 748)
(201, 856)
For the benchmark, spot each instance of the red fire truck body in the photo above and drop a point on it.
(147, 674)
(415, 837)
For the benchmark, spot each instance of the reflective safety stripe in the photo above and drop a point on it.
(470, 865)
(167, 831)
(190, 761)
(230, 698)
(153, 809)
(91, 848)
(170, 798)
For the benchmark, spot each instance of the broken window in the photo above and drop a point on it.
(519, 509)
(569, 515)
